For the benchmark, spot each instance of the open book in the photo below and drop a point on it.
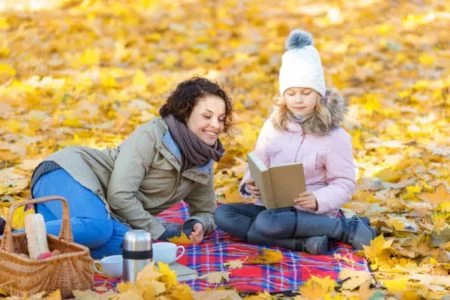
(279, 185)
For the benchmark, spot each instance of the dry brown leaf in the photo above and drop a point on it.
(260, 296)
(353, 278)
(438, 196)
(345, 259)
(216, 277)
(102, 288)
(122, 287)
(132, 294)
(234, 264)
(427, 279)
(92, 295)
(217, 295)
(364, 290)
(29, 164)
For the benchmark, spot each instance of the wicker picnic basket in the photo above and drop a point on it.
(20, 275)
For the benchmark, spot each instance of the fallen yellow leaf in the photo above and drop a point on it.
(140, 80)
(180, 292)
(317, 288)
(182, 239)
(7, 69)
(378, 252)
(3, 23)
(168, 276)
(90, 57)
(56, 295)
(266, 256)
(397, 285)
(122, 287)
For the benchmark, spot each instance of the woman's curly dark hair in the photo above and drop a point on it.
(185, 96)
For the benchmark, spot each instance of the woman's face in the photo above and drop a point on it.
(207, 119)
(300, 101)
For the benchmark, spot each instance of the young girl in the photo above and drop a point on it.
(167, 160)
(304, 128)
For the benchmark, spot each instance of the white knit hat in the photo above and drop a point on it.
(300, 64)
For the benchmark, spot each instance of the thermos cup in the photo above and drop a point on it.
(137, 253)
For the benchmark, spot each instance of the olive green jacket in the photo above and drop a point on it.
(142, 177)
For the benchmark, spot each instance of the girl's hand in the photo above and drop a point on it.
(306, 200)
(252, 188)
(197, 234)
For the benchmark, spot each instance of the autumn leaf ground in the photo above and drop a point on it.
(89, 72)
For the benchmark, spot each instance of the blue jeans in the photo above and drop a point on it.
(241, 220)
(92, 225)
(237, 219)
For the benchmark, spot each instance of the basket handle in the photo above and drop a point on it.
(66, 230)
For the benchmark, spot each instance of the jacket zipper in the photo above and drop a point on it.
(299, 147)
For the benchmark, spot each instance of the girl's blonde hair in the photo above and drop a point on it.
(280, 115)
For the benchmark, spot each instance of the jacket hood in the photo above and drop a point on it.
(337, 107)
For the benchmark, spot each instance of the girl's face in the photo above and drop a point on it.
(207, 119)
(300, 101)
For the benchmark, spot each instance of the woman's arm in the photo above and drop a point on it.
(132, 164)
(202, 204)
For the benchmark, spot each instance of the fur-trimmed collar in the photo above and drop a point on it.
(337, 107)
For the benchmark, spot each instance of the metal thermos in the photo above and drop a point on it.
(137, 253)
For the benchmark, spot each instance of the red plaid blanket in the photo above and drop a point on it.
(292, 272)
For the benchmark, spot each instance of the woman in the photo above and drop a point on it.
(167, 160)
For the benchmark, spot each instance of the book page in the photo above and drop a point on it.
(287, 182)
(260, 174)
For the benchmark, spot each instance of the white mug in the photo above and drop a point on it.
(111, 266)
(166, 252)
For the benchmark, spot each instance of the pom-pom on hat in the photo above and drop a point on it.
(300, 64)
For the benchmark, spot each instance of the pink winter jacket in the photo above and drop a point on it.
(327, 157)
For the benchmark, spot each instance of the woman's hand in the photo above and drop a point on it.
(194, 230)
(252, 188)
(306, 200)
(197, 234)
